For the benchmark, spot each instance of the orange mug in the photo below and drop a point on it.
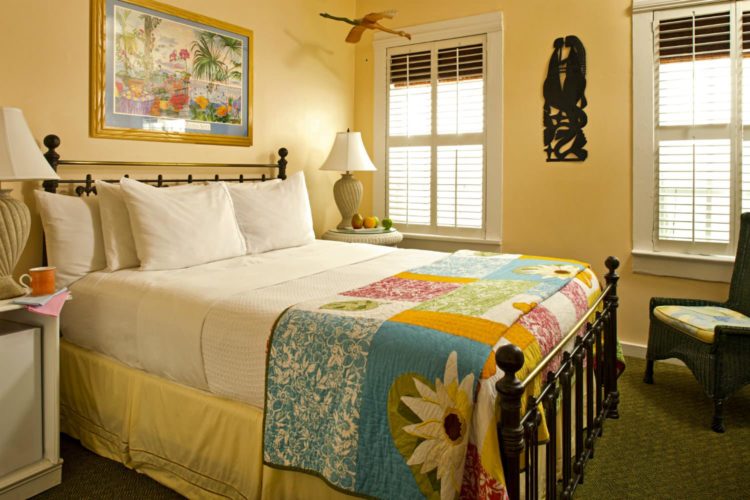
(41, 280)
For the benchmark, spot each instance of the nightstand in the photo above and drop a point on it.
(30, 418)
(386, 238)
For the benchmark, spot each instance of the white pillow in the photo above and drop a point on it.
(176, 228)
(73, 235)
(273, 216)
(119, 245)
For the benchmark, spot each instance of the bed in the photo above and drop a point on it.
(166, 371)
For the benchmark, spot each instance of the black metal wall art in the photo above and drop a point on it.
(564, 100)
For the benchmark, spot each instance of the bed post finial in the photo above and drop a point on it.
(612, 263)
(282, 163)
(611, 301)
(51, 142)
(510, 359)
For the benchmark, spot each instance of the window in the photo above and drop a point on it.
(690, 108)
(693, 132)
(437, 129)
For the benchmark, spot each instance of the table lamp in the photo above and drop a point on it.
(20, 160)
(347, 155)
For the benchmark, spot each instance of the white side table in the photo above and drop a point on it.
(46, 471)
(386, 238)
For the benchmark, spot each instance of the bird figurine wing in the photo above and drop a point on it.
(370, 21)
(355, 34)
(374, 17)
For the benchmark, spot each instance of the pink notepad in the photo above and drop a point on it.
(53, 307)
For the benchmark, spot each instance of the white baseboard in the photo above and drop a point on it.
(633, 350)
(639, 351)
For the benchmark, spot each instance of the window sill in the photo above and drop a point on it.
(448, 243)
(451, 239)
(698, 267)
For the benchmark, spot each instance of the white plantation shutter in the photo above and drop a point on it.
(694, 190)
(745, 171)
(745, 185)
(694, 136)
(459, 186)
(693, 62)
(410, 99)
(460, 89)
(436, 151)
(409, 184)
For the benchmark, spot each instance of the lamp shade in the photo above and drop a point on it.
(20, 157)
(348, 154)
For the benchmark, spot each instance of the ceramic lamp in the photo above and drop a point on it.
(20, 160)
(348, 155)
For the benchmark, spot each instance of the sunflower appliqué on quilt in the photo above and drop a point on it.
(430, 426)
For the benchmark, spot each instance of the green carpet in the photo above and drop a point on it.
(661, 447)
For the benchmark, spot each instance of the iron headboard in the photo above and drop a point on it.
(87, 185)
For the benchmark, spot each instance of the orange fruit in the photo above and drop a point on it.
(371, 222)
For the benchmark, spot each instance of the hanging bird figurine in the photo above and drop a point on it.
(369, 22)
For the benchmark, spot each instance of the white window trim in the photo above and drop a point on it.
(490, 25)
(645, 259)
(651, 5)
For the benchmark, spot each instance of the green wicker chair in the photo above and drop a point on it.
(719, 359)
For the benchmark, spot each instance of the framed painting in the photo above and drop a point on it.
(160, 73)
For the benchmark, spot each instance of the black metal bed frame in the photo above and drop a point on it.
(87, 185)
(590, 367)
(595, 352)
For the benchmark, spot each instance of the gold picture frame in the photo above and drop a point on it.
(161, 73)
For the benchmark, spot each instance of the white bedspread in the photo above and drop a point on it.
(207, 326)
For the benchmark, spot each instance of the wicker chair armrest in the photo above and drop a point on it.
(669, 301)
(725, 330)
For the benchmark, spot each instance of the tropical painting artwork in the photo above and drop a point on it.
(170, 72)
(164, 68)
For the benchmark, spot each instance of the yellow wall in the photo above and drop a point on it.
(580, 210)
(303, 92)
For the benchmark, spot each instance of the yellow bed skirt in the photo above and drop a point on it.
(198, 444)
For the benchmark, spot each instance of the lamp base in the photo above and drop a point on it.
(15, 222)
(347, 192)
(9, 288)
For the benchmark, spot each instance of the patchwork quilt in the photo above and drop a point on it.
(388, 390)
